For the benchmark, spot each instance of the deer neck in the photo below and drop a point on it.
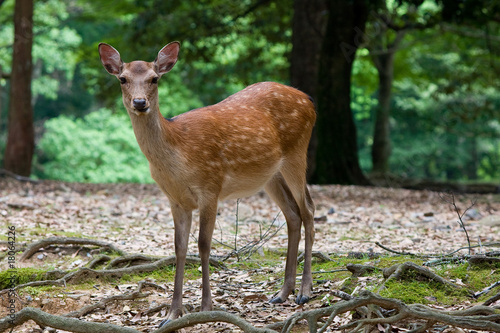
(151, 132)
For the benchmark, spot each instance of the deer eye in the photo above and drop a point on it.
(154, 80)
(123, 80)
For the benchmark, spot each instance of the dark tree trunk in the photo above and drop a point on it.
(20, 139)
(337, 159)
(309, 22)
(383, 59)
(381, 149)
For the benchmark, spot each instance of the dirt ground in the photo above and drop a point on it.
(137, 219)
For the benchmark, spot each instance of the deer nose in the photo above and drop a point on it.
(139, 104)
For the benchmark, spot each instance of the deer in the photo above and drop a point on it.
(254, 139)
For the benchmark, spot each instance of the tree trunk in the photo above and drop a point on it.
(381, 149)
(309, 22)
(383, 59)
(337, 160)
(20, 138)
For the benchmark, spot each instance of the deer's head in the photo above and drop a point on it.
(139, 79)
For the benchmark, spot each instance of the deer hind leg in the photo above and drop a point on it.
(295, 177)
(308, 220)
(279, 191)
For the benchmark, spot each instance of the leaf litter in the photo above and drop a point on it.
(137, 219)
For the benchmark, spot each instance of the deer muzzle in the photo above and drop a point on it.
(140, 104)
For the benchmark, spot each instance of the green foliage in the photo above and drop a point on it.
(99, 148)
(445, 108)
(445, 105)
(54, 46)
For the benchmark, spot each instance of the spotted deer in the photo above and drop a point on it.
(255, 139)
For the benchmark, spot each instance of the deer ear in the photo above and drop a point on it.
(110, 59)
(167, 57)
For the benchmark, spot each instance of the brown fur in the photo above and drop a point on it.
(254, 139)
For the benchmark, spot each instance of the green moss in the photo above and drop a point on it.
(165, 274)
(474, 278)
(385, 262)
(423, 292)
(20, 276)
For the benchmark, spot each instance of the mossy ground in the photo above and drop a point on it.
(410, 289)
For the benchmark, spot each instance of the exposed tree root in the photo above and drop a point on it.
(7, 173)
(476, 318)
(102, 303)
(316, 254)
(360, 270)
(33, 248)
(212, 317)
(396, 272)
(59, 322)
(123, 297)
(481, 260)
(373, 307)
(85, 273)
(98, 260)
(130, 260)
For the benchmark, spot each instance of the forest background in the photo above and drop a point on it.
(404, 89)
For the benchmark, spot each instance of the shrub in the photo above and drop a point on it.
(99, 148)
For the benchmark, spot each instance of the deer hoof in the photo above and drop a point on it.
(302, 299)
(276, 300)
(164, 322)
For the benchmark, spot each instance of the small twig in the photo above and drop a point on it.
(486, 290)
(253, 246)
(327, 272)
(460, 217)
(492, 300)
(236, 231)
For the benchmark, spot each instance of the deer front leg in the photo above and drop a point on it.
(182, 223)
(208, 214)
